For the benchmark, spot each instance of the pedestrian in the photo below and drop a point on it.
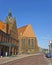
(6, 54)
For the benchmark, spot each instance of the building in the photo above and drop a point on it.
(15, 40)
(8, 36)
(27, 41)
(50, 47)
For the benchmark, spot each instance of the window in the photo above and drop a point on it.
(51, 45)
(29, 42)
(18, 42)
(23, 43)
(32, 43)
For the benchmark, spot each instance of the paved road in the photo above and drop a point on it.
(32, 60)
(50, 60)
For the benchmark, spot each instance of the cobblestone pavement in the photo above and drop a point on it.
(12, 58)
(31, 60)
(50, 60)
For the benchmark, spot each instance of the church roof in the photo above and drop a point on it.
(21, 30)
(26, 31)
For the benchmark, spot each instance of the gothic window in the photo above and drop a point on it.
(23, 43)
(32, 43)
(29, 42)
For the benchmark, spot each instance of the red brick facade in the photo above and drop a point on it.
(16, 40)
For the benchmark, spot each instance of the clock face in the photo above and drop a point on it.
(9, 18)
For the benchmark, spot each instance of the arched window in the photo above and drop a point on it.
(29, 42)
(32, 43)
(23, 43)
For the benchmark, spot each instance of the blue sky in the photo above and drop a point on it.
(38, 13)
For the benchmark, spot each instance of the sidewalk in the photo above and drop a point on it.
(12, 58)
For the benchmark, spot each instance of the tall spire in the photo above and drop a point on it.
(9, 13)
(9, 17)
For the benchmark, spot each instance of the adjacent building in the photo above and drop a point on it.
(50, 47)
(27, 41)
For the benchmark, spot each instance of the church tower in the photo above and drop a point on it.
(11, 27)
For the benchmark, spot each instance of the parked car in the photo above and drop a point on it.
(48, 55)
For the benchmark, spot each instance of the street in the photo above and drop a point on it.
(31, 60)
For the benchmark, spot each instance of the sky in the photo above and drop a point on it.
(38, 13)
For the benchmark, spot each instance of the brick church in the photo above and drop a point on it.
(15, 40)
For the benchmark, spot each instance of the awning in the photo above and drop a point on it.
(7, 44)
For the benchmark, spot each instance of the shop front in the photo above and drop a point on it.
(8, 49)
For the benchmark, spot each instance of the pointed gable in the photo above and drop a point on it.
(29, 32)
(26, 31)
(21, 30)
